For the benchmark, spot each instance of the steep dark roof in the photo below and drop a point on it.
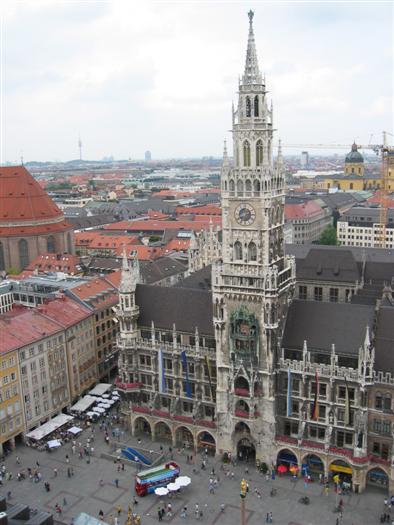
(323, 324)
(199, 280)
(328, 265)
(158, 269)
(384, 340)
(165, 306)
(80, 223)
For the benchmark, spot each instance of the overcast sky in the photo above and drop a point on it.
(136, 75)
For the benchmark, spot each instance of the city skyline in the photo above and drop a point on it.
(128, 78)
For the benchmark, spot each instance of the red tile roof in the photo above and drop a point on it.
(144, 253)
(98, 293)
(65, 311)
(302, 211)
(114, 278)
(22, 198)
(23, 326)
(208, 209)
(25, 207)
(159, 226)
(177, 245)
(172, 193)
(99, 240)
(52, 262)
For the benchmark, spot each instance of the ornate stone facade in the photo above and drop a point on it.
(210, 368)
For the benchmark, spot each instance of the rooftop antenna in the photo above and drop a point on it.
(80, 147)
(21, 158)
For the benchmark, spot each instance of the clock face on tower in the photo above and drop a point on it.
(245, 214)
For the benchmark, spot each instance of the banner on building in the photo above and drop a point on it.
(162, 379)
(188, 387)
(347, 405)
(289, 389)
(315, 410)
(210, 377)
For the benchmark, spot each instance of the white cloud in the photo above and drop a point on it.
(135, 75)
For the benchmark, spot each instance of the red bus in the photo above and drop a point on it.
(148, 480)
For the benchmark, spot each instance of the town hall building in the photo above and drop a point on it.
(245, 364)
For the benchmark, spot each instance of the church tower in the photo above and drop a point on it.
(253, 281)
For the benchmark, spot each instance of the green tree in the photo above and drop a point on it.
(329, 236)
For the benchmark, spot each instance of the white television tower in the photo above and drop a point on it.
(80, 147)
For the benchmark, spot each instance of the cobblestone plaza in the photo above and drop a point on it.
(83, 492)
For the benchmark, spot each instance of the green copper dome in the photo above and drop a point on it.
(354, 155)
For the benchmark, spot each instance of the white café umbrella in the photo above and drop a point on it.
(161, 491)
(172, 487)
(99, 410)
(105, 396)
(54, 443)
(183, 481)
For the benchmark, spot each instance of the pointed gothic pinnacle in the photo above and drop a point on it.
(367, 340)
(225, 149)
(252, 74)
(280, 156)
(125, 263)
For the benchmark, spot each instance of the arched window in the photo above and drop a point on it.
(238, 251)
(248, 187)
(240, 187)
(2, 261)
(225, 185)
(23, 253)
(256, 186)
(387, 402)
(246, 154)
(231, 186)
(51, 244)
(252, 252)
(248, 107)
(256, 106)
(259, 152)
(378, 401)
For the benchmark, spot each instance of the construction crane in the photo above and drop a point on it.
(387, 167)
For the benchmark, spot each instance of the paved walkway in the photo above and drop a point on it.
(83, 492)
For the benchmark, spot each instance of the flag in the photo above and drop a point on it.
(162, 379)
(187, 382)
(347, 405)
(210, 377)
(315, 411)
(289, 398)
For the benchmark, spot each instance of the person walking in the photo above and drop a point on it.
(117, 483)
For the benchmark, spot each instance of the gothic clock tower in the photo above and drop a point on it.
(253, 282)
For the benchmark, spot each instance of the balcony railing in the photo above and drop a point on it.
(244, 392)
(241, 413)
(173, 417)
